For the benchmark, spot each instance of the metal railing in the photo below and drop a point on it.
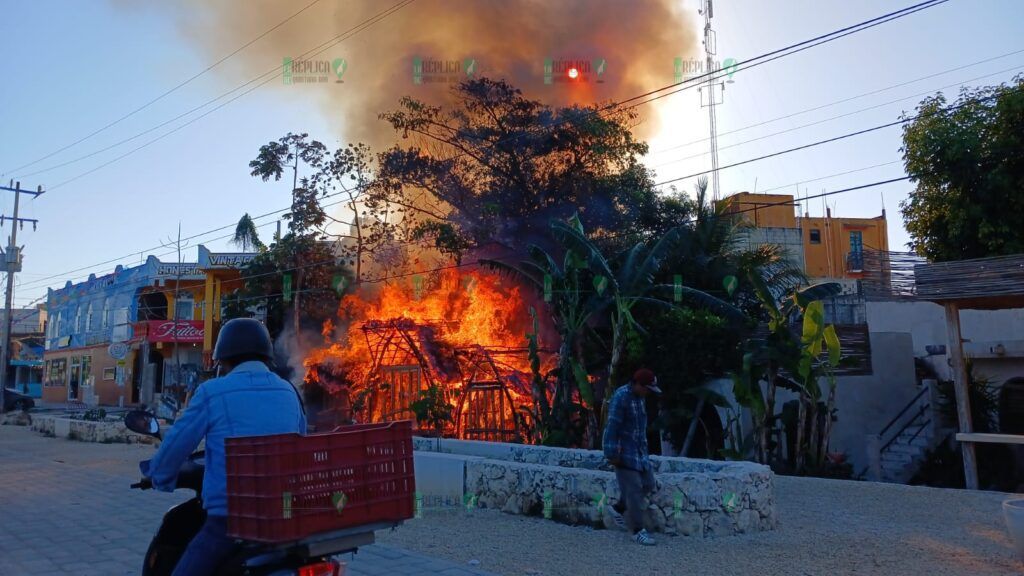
(918, 416)
(855, 262)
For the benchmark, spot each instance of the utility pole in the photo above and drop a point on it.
(12, 264)
(710, 49)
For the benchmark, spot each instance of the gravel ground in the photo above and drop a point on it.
(827, 527)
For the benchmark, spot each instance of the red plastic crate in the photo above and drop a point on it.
(286, 487)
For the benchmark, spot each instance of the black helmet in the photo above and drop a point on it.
(243, 337)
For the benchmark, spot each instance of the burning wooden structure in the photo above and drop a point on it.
(462, 334)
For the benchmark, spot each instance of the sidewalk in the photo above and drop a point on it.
(65, 508)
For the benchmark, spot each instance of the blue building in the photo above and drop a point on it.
(125, 337)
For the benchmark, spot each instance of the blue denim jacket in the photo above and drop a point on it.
(250, 401)
(625, 435)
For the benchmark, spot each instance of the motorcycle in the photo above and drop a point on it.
(312, 556)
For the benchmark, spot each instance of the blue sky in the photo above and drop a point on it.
(74, 66)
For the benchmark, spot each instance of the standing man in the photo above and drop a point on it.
(625, 447)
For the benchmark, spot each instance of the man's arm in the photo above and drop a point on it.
(180, 442)
(612, 431)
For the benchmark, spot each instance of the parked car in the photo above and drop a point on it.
(14, 400)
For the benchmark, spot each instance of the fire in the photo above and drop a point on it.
(463, 332)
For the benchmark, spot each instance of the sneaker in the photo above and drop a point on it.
(644, 539)
(617, 518)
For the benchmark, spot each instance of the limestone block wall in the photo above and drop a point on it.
(695, 497)
(87, 431)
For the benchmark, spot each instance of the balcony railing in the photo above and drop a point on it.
(855, 262)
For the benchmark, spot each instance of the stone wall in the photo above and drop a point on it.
(87, 431)
(695, 497)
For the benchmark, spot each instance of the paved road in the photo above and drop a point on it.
(65, 508)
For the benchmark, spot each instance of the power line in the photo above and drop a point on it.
(847, 114)
(37, 283)
(269, 75)
(390, 277)
(844, 100)
(783, 52)
(690, 83)
(164, 94)
(687, 84)
(826, 141)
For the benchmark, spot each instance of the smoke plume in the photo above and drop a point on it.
(637, 40)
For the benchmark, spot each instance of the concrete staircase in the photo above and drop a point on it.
(896, 453)
(902, 459)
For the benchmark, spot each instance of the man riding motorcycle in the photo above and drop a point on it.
(249, 400)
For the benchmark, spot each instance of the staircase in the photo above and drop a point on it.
(896, 453)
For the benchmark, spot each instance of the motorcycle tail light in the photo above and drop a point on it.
(329, 568)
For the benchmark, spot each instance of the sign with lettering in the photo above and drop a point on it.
(185, 271)
(230, 260)
(182, 331)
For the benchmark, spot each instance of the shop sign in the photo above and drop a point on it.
(230, 260)
(118, 350)
(182, 331)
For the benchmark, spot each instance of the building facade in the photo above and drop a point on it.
(825, 248)
(136, 334)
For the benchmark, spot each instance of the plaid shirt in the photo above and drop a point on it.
(625, 435)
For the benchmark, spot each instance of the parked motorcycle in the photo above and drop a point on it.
(311, 556)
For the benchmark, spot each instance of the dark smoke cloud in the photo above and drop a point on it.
(510, 39)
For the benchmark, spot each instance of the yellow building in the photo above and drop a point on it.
(832, 247)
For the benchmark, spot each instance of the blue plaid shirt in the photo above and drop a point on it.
(625, 435)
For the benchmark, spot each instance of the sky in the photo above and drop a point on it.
(75, 66)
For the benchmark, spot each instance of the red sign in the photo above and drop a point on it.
(184, 331)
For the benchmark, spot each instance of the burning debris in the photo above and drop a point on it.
(461, 333)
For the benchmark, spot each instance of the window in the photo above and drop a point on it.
(58, 369)
(184, 307)
(109, 373)
(78, 326)
(106, 313)
(815, 236)
(89, 324)
(86, 367)
(856, 241)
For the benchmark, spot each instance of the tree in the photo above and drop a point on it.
(374, 226)
(306, 216)
(497, 167)
(246, 237)
(968, 169)
(265, 281)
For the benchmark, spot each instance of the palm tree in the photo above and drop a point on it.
(628, 280)
(246, 237)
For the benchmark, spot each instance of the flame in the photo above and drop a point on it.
(460, 324)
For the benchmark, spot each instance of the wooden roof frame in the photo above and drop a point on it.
(995, 283)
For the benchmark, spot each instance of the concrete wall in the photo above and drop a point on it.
(867, 403)
(985, 329)
(695, 498)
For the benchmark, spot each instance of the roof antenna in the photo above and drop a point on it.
(882, 194)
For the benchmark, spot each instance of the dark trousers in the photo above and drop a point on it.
(208, 550)
(633, 487)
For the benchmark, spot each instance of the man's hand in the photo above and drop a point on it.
(615, 461)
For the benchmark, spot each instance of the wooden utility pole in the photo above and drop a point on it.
(12, 264)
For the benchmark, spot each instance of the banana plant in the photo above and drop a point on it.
(766, 357)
